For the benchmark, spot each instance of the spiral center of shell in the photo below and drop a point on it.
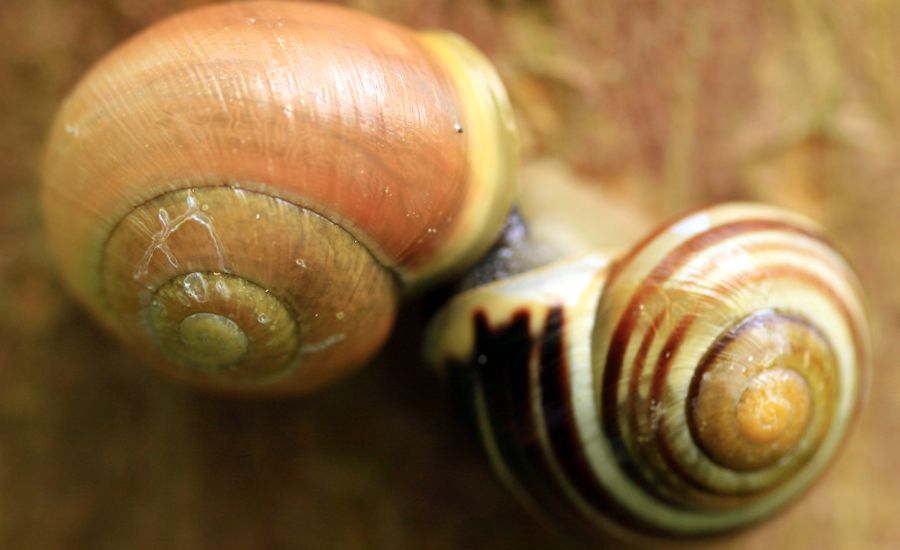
(310, 299)
(775, 405)
(223, 323)
(215, 340)
(763, 393)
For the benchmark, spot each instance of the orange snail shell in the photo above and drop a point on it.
(695, 384)
(242, 191)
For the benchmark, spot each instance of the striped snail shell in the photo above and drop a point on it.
(242, 192)
(695, 384)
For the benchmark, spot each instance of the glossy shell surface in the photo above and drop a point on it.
(694, 384)
(326, 158)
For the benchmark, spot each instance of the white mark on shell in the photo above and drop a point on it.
(324, 344)
(223, 289)
(263, 318)
(195, 286)
(301, 262)
(692, 225)
(169, 226)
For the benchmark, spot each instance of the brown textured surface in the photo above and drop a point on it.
(248, 94)
(669, 104)
(336, 305)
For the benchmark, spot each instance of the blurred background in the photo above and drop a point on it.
(665, 104)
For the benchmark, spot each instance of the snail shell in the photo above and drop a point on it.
(695, 384)
(242, 192)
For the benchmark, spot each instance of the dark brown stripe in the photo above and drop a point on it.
(781, 271)
(722, 343)
(639, 361)
(501, 363)
(558, 416)
(840, 268)
(501, 359)
(667, 356)
(663, 365)
(646, 343)
(559, 422)
(709, 358)
(616, 267)
(643, 243)
(556, 390)
(619, 342)
(720, 497)
(660, 374)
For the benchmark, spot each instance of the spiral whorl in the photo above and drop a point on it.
(730, 345)
(235, 289)
(696, 384)
(243, 191)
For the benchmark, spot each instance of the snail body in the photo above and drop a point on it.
(694, 384)
(242, 192)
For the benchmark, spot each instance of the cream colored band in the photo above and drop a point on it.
(492, 149)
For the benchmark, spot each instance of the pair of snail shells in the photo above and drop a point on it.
(242, 192)
(694, 384)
